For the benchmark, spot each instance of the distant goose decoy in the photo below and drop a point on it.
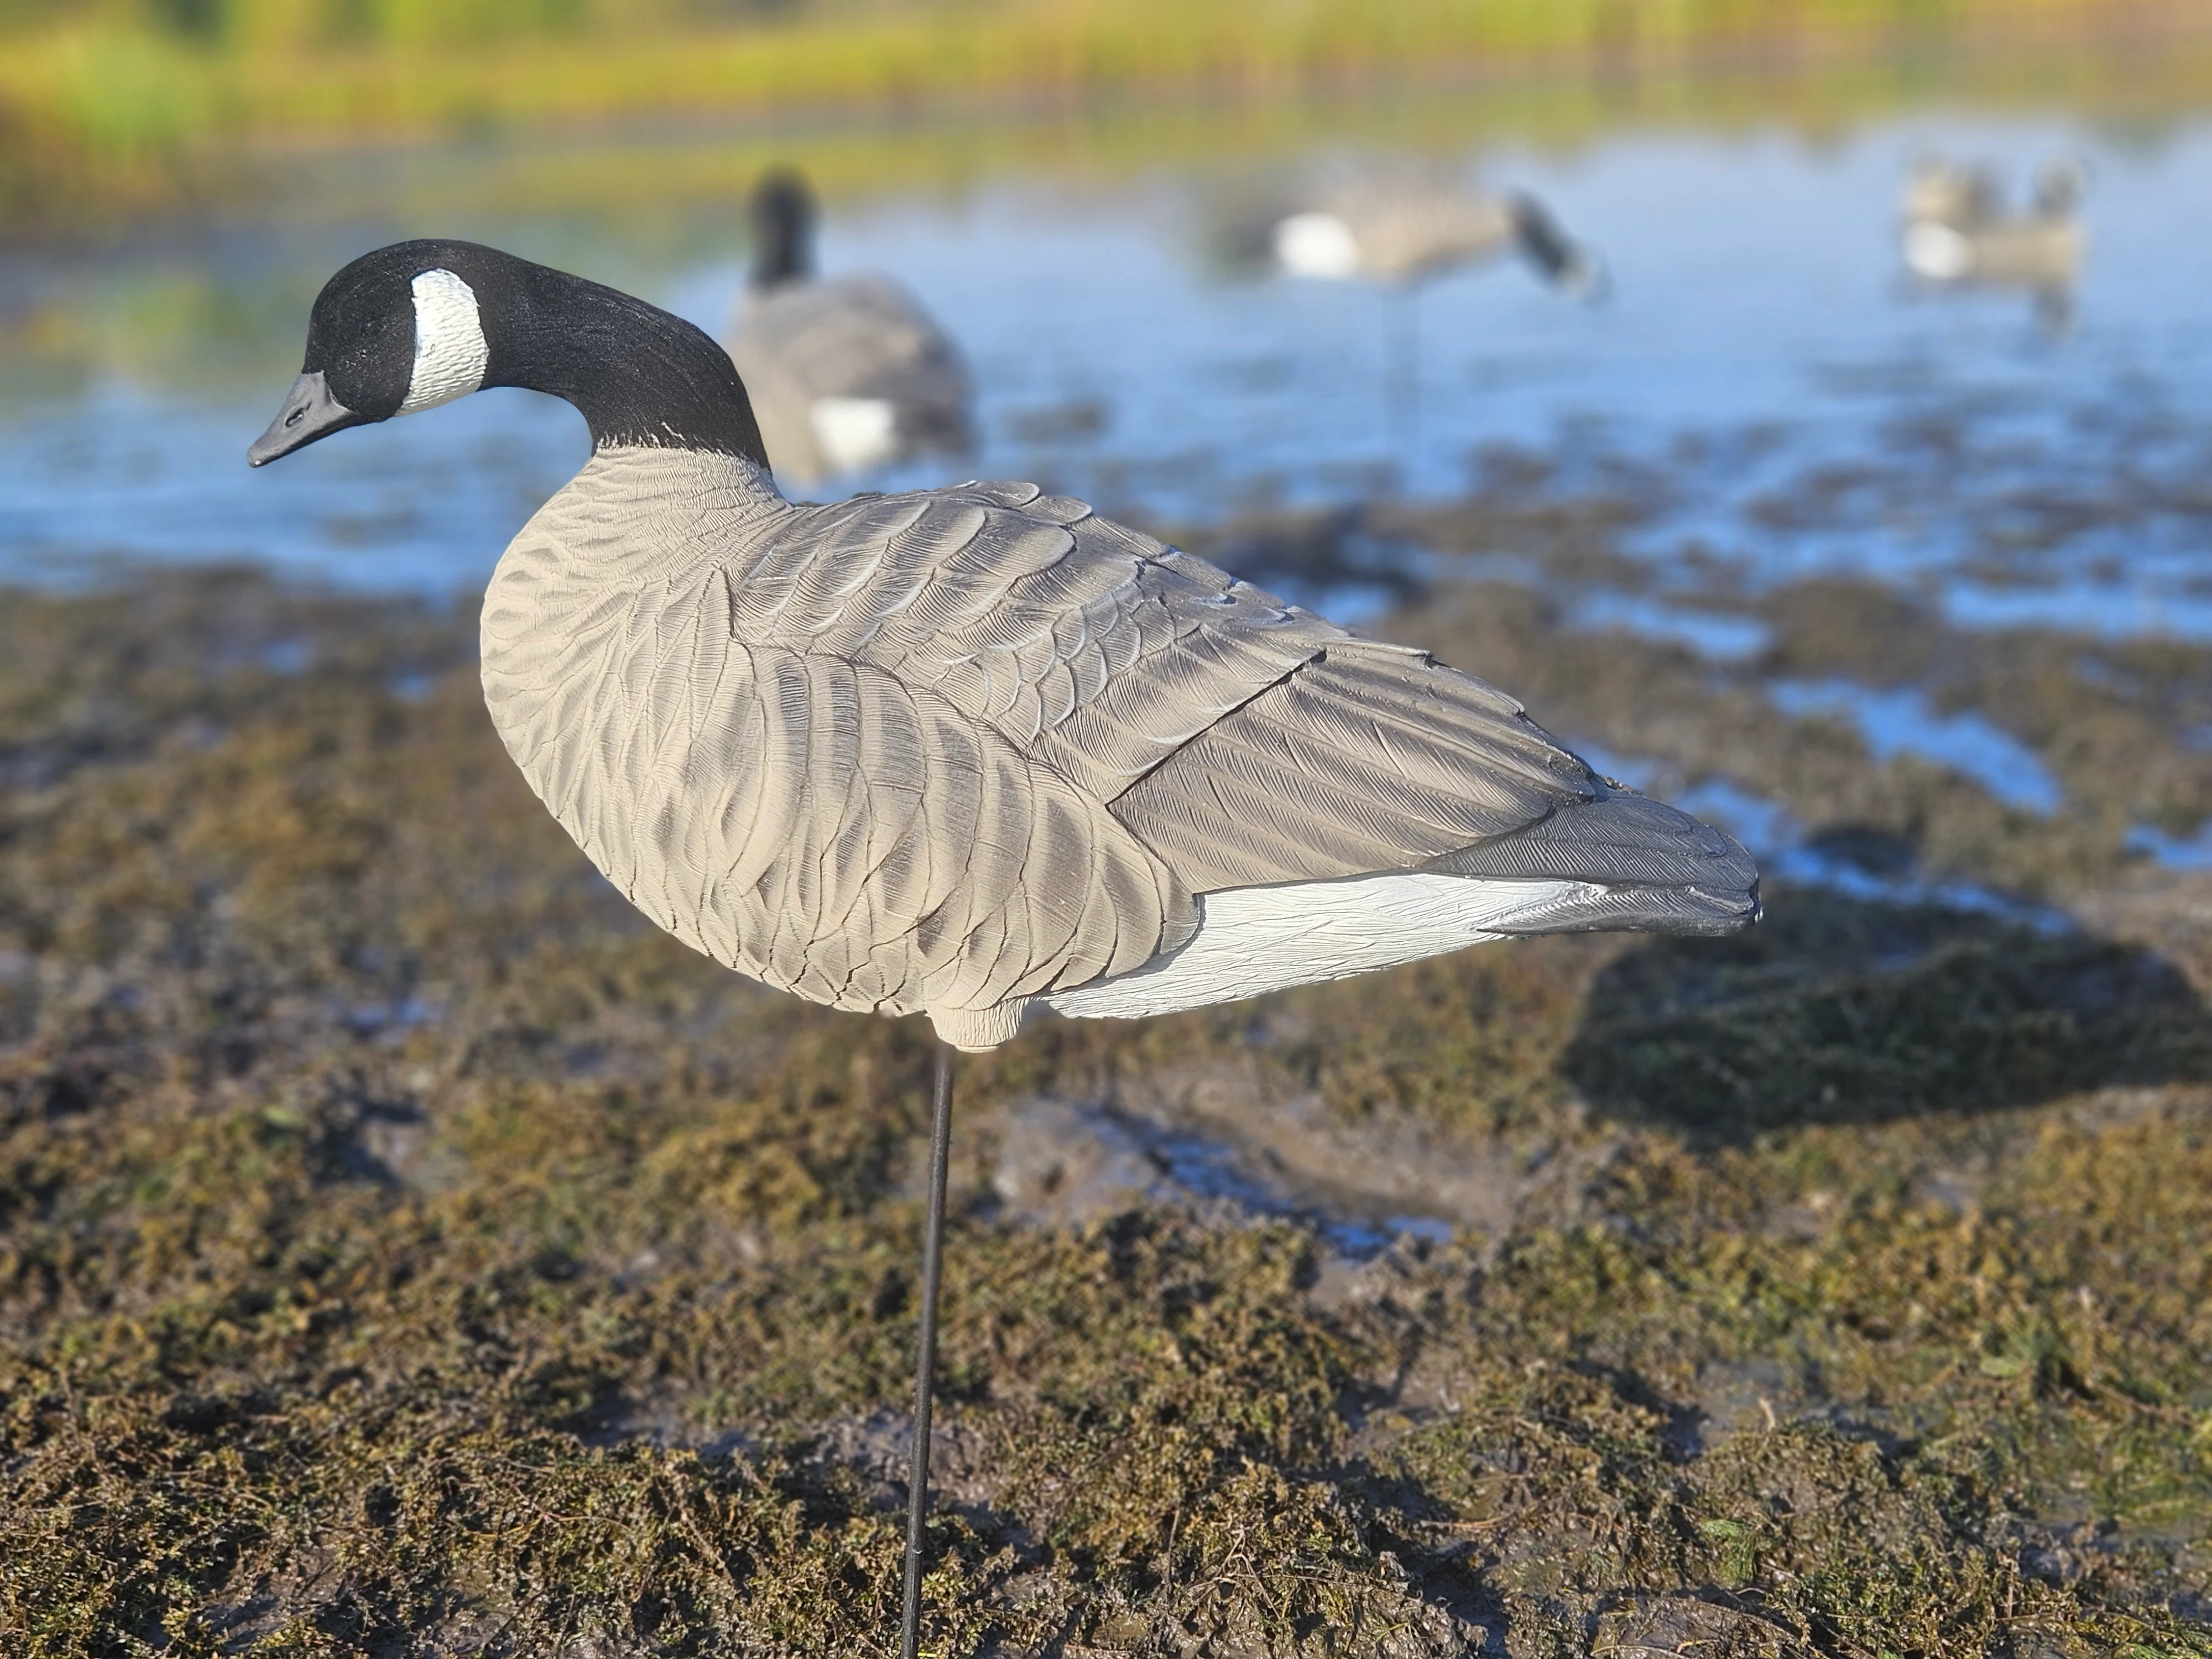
(846, 372)
(1403, 229)
(1407, 230)
(1957, 230)
(1941, 191)
(973, 752)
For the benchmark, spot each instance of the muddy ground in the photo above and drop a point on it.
(404, 1250)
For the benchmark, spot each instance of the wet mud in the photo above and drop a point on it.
(405, 1250)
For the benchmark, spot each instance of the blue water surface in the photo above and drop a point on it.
(1757, 305)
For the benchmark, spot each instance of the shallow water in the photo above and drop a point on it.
(1894, 722)
(1756, 304)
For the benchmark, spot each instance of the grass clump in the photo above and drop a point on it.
(404, 1250)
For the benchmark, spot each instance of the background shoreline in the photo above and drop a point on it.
(107, 125)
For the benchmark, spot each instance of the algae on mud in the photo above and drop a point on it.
(405, 1250)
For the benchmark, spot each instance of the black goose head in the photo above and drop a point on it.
(419, 324)
(783, 215)
(1556, 257)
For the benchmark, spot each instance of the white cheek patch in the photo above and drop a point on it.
(450, 353)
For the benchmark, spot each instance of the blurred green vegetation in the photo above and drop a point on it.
(130, 101)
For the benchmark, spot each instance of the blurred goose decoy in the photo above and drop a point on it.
(846, 373)
(1941, 191)
(1408, 229)
(972, 752)
(1957, 230)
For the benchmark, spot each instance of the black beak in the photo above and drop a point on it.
(309, 412)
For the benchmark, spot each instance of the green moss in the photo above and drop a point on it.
(404, 1250)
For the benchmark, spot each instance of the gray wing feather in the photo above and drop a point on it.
(1242, 741)
(1662, 871)
(1363, 760)
(1098, 652)
(1619, 837)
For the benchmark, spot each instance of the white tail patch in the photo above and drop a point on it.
(450, 353)
(1937, 251)
(1318, 245)
(854, 432)
(1254, 939)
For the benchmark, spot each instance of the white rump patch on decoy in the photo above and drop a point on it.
(1255, 939)
(854, 432)
(450, 353)
(1318, 245)
(1938, 252)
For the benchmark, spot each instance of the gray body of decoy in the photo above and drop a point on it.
(1957, 228)
(1407, 228)
(979, 753)
(845, 373)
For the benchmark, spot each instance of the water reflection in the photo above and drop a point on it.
(1899, 720)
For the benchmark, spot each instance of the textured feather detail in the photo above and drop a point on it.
(958, 750)
(1690, 910)
(1619, 838)
(1359, 760)
(740, 755)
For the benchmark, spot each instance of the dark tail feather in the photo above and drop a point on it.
(1651, 868)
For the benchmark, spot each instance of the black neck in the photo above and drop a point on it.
(636, 375)
(783, 230)
(781, 256)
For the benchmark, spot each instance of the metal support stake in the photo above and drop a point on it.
(925, 1365)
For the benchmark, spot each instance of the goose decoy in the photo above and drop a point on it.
(1941, 191)
(1403, 230)
(846, 372)
(972, 752)
(1957, 230)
